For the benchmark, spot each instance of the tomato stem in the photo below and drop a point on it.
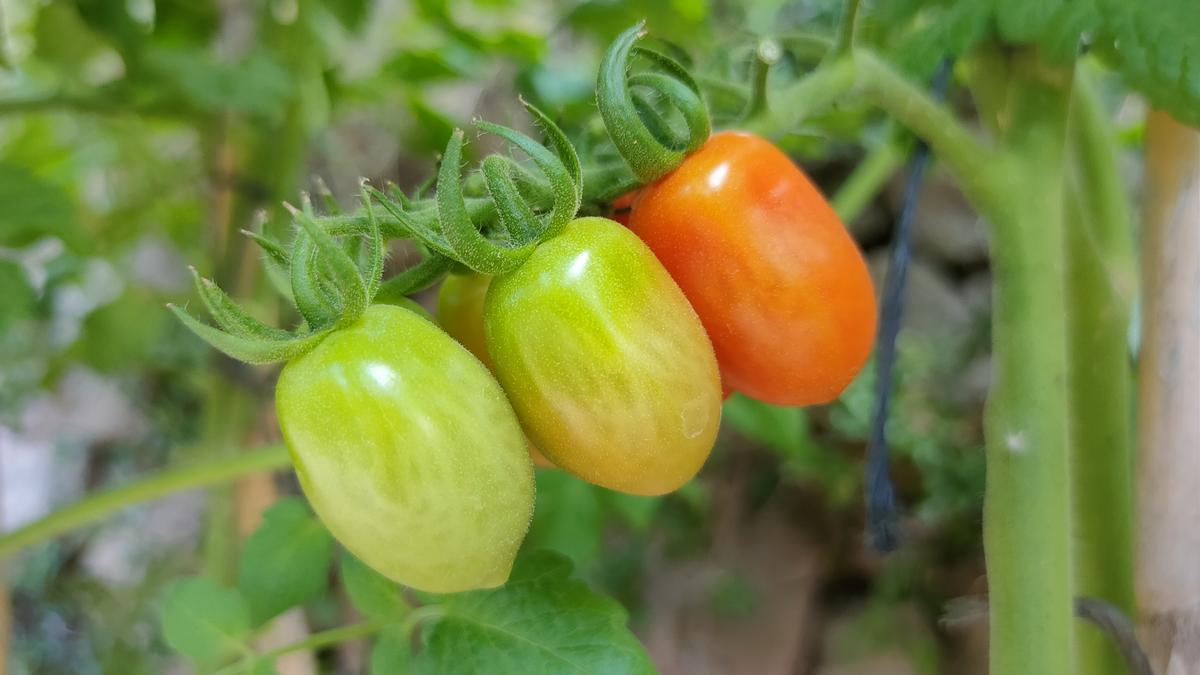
(1101, 282)
(1027, 534)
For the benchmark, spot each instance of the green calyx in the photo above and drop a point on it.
(520, 226)
(331, 281)
(333, 268)
(643, 135)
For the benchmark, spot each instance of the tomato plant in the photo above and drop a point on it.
(589, 325)
(608, 342)
(790, 307)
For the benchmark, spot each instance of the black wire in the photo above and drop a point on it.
(883, 519)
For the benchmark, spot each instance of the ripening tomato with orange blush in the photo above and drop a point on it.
(778, 282)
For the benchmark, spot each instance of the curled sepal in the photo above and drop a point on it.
(416, 278)
(344, 278)
(561, 168)
(376, 247)
(469, 245)
(276, 262)
(411, 224)
(255, 350)
(308, 289)
(514, 212)
(651, 153)
(229, 315)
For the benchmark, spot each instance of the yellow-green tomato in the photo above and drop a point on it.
(460, 312)
(604, 360)
(408, 450)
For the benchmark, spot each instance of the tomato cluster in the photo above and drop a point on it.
(603, 348)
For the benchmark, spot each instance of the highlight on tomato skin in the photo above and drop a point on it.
(777, 280)
(604, 360)
(409, 451)
(460, 313)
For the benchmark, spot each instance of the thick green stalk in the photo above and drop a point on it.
(1100, 285)
(103, 504)
(1027, 506)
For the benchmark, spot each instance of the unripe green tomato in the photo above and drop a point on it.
(604, 360)
(413, 306)
(460, 313)
(408, 450)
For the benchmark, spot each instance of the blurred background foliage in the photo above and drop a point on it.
(139, 136)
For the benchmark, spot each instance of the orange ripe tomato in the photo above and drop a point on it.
(778, 282)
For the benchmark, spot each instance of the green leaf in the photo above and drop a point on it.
(784, 430)
(1156, 44)
(370, 592)
(567, 516)
(541, 621)
(33, 208)
(204, 621)
(258, 85)
(286, 561)
(19, 296)
(637, 511)
(391, 655)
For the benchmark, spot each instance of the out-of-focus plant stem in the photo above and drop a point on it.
(101, 505)
(873, 171)
(1101, 281)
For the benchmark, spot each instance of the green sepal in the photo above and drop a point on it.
(678, 85)
(648, 156)
(412, 225)
(376, 246)
(565, 176)
(348, 282)
(331, 203)
(229, 315)
(559, 143)
(514, 212)
(416, 278)
(250, 349)
(314, 305)
(689, 104)
(468, 244)
(655, 123)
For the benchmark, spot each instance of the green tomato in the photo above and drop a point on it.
(408, 450)
(604, 360)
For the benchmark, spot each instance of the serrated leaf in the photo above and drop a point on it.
(203, 620)
(391, 655)
(1156, 44)
(370, 592)
(286, 561)
(541, 621)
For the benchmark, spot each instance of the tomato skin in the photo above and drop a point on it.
(460, 313)
(604, 361)
(621, 207)
(408, 450)
(778, 282)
